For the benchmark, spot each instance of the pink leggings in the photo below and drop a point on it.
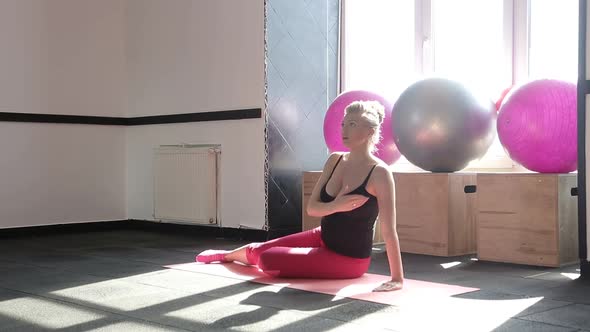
(304, 255)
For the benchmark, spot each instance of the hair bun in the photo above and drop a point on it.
(379, 110)
(372, 108)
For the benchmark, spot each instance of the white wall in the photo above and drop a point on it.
(125, 58)
(241, 175)
(189, 56)
(59, 173)
(62, 57)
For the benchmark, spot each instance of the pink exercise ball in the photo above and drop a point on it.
(386, 149)
(537, 125)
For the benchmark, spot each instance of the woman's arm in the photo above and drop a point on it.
(385, 191)
(317, 208)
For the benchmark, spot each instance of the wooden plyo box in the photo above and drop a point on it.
(436, 213)
(309, 222)
(527, 218)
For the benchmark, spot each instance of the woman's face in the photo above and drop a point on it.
(356, 130)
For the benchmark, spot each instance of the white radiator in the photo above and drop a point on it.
(186, 183)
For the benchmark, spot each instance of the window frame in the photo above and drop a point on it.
(516, 56)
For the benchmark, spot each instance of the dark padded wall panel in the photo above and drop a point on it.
(302, 80)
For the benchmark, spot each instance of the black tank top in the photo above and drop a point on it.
(350, 233)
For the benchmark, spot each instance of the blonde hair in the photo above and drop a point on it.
(373, 112)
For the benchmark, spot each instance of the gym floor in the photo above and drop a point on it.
(114, 280)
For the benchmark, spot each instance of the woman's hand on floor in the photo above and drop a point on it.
(389, 286)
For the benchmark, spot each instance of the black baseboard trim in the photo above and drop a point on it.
(240, 234)
(32, 231)
(239, 114)
(246, 234)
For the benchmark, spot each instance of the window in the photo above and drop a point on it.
(469, 47)
(487, 44)
(553, 51)
(469, 43)
(379, 46)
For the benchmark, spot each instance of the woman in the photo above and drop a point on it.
(353, 190)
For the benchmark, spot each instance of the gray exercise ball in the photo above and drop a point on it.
(439, 125)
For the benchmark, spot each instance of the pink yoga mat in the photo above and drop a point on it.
(414, 291)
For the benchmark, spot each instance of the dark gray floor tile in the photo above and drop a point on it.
(195, 249)
(564, 274)
(574, 291)
(415, 263)
(112, 267)
(145, 255)
(75, 240)
(94, 265)
(36, 280)
(542, 305)
(113, 324)
(496, 282)
(7, 265)
(116, 280)
(205, 313)
(254, 294)
(515, 270)
(515, 324)
(6, 294)
(194, 245)
(197, 283)
(26, 312)
(575, 316)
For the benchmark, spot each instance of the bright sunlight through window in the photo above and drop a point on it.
(469, 43)
(379, 46)
(554, 39)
